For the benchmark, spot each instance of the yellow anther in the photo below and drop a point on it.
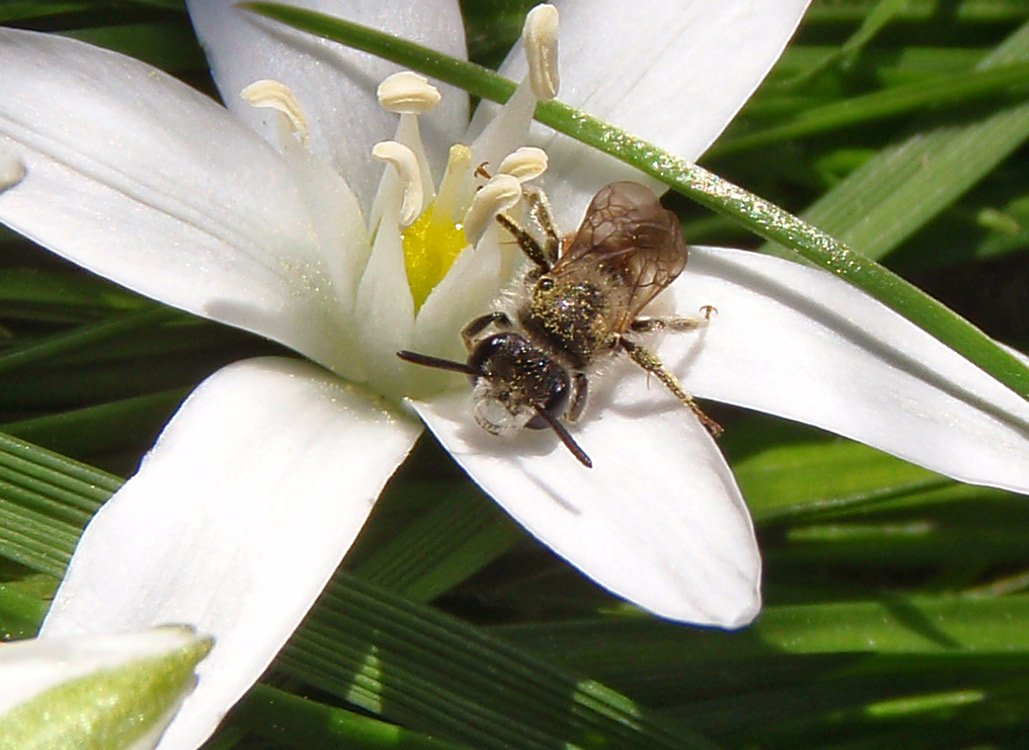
(278, 96)
(407, 93)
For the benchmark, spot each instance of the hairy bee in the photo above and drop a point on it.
(582, 300)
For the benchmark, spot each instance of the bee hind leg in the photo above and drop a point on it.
(649, 362)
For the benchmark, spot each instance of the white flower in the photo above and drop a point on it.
(260, 483)
(117, 690)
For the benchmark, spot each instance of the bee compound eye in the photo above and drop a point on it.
(545, 284)
(494, 351)
(558, 389)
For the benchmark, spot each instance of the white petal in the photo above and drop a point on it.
(330, 287)
(141, 179)
(799, 342)
(29, 667)
(235, 522)
(384, 315)
(673, 73)
(334, 85)
(658, 520)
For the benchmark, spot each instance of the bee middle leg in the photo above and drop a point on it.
(649, 362)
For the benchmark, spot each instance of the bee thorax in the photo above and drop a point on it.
(569, 318)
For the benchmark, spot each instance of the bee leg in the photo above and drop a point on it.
(526, 242)
(480, 324)
(649, 362)
(577, 401)
(539, 210)
(675, 323)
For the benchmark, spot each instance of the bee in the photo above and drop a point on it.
(581, 301)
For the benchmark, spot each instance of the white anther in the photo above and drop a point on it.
(402, 159)
(278, 96)
(499, 194)
(407, 93)
(12, 170)
(525, 163)
(539, 38)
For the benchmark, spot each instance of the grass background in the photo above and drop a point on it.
(896, 605)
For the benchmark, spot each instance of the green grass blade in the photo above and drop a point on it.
(45, 499)
(896, 192)
(95, 430)
(21, 613)
(84, 337)
(450, 530)
(430, 671)
(923, 625)
(947, 90)
(292, 721)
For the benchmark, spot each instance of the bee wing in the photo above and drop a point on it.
(629, 246)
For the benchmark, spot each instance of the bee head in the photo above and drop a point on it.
(515, 383)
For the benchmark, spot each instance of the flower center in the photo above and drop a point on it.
(431, 244)
(435, 230)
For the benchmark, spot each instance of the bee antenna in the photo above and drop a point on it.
(439, 364)
(562, 433)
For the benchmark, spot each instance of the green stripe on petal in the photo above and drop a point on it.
(107, 708)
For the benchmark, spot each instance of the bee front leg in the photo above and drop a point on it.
(539, 210)
(577, 400)
(480, 324)
(649, 362)
(526, 242)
